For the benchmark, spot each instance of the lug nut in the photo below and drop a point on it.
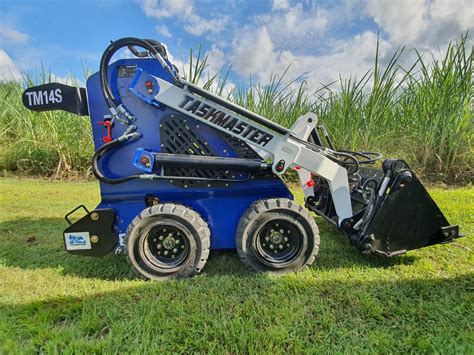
(166, 252)
(267, 239)
(271, 246)
(175, 250)
(280, 246)
(282, 231)
(161, 237)
(285, 239)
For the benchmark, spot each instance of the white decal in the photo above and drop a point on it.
(36, 98)
(59, 96)
(77, 241)
(29, 94)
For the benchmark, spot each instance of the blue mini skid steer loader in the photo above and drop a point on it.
(183, 171)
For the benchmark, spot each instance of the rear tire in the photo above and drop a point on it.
(277, 235)
(167, 241)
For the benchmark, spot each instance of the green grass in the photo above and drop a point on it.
(420, 112)
(53, 302)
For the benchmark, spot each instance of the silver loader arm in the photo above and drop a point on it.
(283, 145)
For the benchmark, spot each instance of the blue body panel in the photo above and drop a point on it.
(220, 207)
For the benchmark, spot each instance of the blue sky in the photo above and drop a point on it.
(319, 39)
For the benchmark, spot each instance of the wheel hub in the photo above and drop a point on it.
(167, 246)
(278, 241)
(169, 242)
(276, 237)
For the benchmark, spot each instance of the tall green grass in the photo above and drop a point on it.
(420, 112)
(51, 143)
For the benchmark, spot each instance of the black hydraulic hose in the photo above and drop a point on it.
(370, 157)
(100, 153)
(107, 56)
(153, 47)
(158, 45)
(327, 137)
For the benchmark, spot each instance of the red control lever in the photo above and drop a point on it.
(108, 126)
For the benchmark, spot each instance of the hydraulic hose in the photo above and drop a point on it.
(104, 150)
(153, 47)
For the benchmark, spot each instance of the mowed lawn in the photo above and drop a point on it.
(55, 302)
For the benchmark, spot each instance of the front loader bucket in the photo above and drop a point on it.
(408, 219)
(400, 215)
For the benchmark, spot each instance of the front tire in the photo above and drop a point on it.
(167, 241)
(277, 235)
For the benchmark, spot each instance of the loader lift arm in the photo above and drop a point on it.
(284, 148)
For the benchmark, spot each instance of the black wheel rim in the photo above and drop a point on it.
(278, 242)
(165, 246)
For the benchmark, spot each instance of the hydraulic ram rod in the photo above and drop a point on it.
(262, 133)
(207, 162)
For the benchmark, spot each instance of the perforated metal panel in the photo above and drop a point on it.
(180, 135)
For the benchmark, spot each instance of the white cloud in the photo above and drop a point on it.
(164, 31)
(67, 80)
(8, 34)
(424, 24)
(460, 11)
(253, 51)
(350, 57)
(166, 8)
(402, 19)
(8, 69)
(294, 26)
(300, 36)
(185, 12)
(215, 60)
(268, 45)
(280, 5)
(198, 26)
